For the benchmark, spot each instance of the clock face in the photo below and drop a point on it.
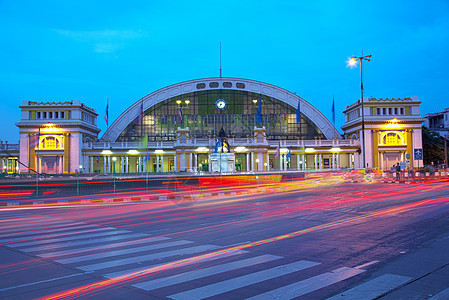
(220, 104)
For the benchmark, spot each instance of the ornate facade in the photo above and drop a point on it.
(176, 129)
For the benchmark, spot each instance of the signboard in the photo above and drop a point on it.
(403, 165)
(326, 161)
(407, 156)
(418, 154)
(407, 163)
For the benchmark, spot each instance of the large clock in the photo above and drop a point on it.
(220, 104)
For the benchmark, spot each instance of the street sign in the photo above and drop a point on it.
(407, 156)
(407, 163)
(418, 154)
(403, 165)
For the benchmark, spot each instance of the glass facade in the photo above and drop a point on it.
(204, 120)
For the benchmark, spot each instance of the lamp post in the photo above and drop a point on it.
(352, 62)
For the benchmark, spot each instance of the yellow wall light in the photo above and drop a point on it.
(133, 151)
(309, 150)
(106, 152)
(159, 151)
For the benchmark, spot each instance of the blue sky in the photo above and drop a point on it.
(124, 50)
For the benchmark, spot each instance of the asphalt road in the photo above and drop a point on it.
(311, 239)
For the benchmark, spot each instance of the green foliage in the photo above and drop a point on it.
(433, 147)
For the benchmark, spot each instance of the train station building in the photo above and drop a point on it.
(214, 125)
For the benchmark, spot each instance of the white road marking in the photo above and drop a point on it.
(106, 246)
(105, 254)
(242, 281)
(373, 288)
(201, 273)
(148, 257)
(310, 284)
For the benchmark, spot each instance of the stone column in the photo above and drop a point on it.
(122, 164)
(304, 166)
(252, 161)
(162, 163)
(268, 161)
(157, 163)
(210, 165)
(320, 161)
(104, 164)
(316, 162)
(109, 164)
(139, 165)
(195, 162)
(338, 160)
(191, 161)
(175, 161)
(333, 161)
(247, 162)
(126, 164)
(91, 166)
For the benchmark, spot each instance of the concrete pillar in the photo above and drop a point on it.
(210, 165)
(91, 165)
(122, 164)
(139, 165)
(285, 162)
(247, 162)
(175, 162)
(316, 162)
(162, 163)
(191, 161)
(320, 161)
(304, 166)
(109, 164)
(104, 164)
(333, 161)
(252, 161)
(268, 161)
(195, 162)
(157, 163)
(338, 160)
(126, 164)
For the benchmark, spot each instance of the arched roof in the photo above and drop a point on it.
(132, 112)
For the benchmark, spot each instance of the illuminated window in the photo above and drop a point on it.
(392, 138)
(50, 142)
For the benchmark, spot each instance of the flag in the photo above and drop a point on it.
(278, 150)
(144, 141)
(180, 115)
(146, 157)
(259, 113)
(106, 114)
(333, 110)
(139, 117)
(218, 145)
(289, 155)
(298, 112)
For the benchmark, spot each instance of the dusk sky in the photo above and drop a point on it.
(124, 50)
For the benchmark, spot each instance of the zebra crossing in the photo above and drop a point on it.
(110, 252)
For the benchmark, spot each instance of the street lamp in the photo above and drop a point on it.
(353, 62)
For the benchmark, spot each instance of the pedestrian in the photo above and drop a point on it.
(398, 171)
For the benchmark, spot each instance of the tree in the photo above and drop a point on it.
(433, 147)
